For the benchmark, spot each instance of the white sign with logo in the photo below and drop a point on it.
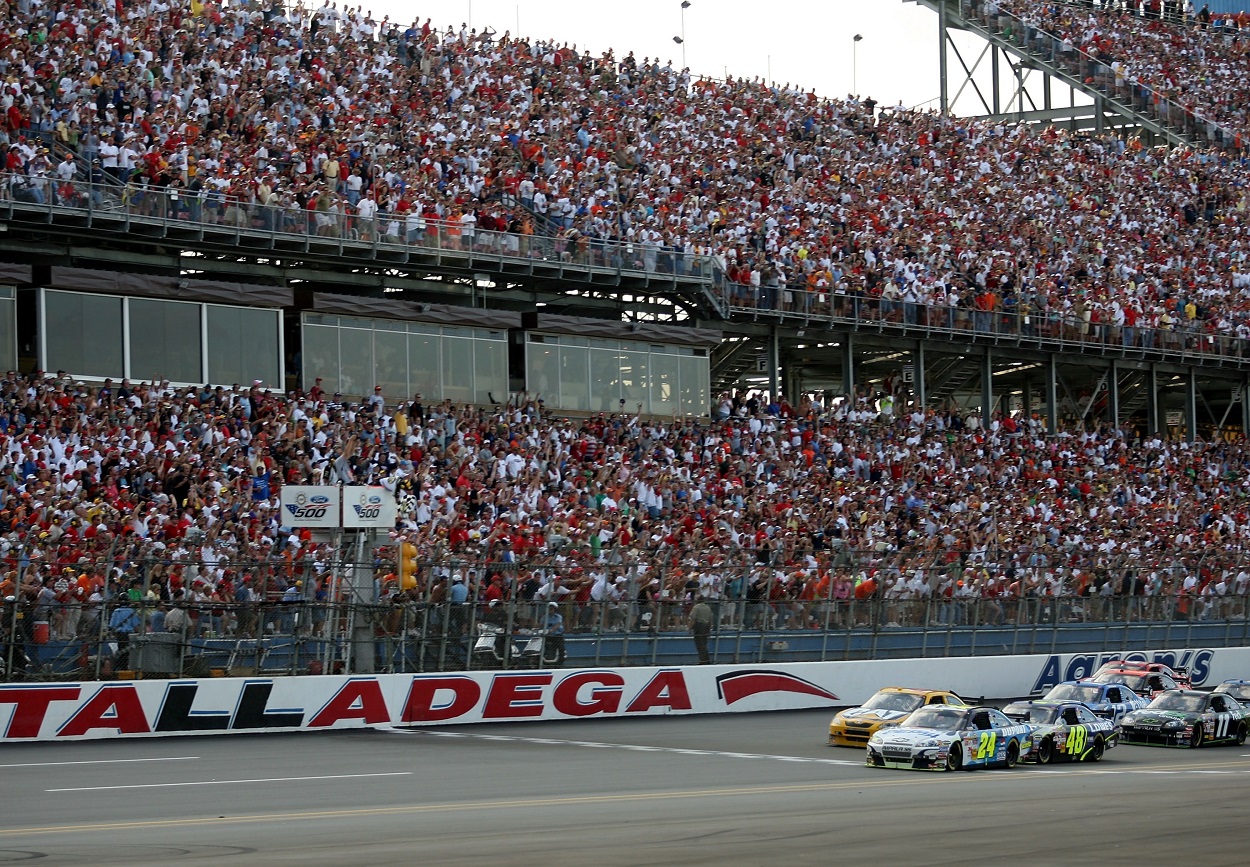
(368, 507)
(310, 506)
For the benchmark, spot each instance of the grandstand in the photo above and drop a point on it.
(453, 264)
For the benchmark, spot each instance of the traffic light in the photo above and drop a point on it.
(407, 566)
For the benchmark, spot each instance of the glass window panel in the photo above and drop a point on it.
(574, 382)
(8, 331)
(694, 386)
(605, 380)
(356, 363)
(321, 357)
(166, 340)
(243, 346)
(490, 371)
(424, 367)
(665, 376)
(542, 372)
(390, 352)
(83, 334)
(634, 380)
(457, 369)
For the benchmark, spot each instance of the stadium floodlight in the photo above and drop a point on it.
(678, 40)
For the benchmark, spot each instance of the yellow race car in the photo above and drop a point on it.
(854, 726)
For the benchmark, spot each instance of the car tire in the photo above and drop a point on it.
(1241, 734)
(1013, 754)
(1197, 738)
(1097, 750)
(1046, 751)
(954, 758)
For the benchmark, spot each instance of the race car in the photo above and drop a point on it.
(1108, 700)
(1179, 675)
(1238, 689)
(1186, 718)
(1067, 731)
(947, 738)
(854, 726)
(1144, 683)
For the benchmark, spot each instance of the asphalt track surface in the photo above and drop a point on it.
(733, 789)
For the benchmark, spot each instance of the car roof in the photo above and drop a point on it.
(1151, 667)
(1188, 693)
(911, 690)
(1086, 683)
(1236, 681)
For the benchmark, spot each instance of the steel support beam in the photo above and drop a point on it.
(1152, 400)
(848, 367)
(1191, 405)
(917, 360)
(1052, 395)
(987, 386)
(1113, 395)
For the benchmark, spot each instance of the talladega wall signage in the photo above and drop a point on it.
(223, 705)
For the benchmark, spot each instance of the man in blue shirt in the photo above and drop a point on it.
(123, 624)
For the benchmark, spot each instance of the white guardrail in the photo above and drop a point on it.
(156, 708)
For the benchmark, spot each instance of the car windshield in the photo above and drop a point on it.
(1239, 691)
(1132, 681)
(1043, 715)
(903, 701)
(1178, 701)
(935, 717)
(1074, 692)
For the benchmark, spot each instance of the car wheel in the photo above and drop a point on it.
(1096, 752)
(1196, 739)
(1241, 734)
(1013, 754)
(1046, 751)
(954, 758)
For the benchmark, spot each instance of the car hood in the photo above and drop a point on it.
(869, 714)
(1150, 717)
(911, 737)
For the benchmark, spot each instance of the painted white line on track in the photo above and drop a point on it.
(232, 782)
(104, 762)
(638, 748)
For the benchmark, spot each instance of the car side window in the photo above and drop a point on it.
(1217, 704)
(1069, 716)
(938, 699)
(1113, 695)
(981, 721)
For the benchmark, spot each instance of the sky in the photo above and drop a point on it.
(803, 42)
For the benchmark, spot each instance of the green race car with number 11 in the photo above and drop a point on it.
(1186, 718)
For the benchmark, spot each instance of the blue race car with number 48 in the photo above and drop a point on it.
(1068, 731)
(937, 738)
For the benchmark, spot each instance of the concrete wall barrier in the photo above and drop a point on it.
(154, 708)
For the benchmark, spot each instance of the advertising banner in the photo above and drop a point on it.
(310, 506)
(368, 507)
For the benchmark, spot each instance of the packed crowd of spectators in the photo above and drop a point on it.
(157, 509)
(1191, 57)
(328, 121)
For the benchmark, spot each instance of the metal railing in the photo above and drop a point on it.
(1097, 73)
(758, 614)
(181, 212)
(1065, 329)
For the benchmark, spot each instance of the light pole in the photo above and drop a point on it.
(685, 4)
(855, 40)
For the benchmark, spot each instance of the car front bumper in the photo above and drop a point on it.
(927, 760)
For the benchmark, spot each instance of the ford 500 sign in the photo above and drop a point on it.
(368, 507)
(310, 506)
